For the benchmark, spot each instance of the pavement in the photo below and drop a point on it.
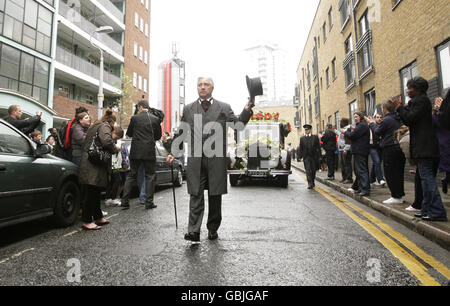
(438, 232)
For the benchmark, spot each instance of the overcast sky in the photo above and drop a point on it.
(213, 34)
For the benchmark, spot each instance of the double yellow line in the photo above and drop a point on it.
(375, 227)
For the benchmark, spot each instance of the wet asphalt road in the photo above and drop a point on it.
(269, 237)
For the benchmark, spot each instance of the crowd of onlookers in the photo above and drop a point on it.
(417, 133)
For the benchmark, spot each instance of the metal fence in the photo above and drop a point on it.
(112, 9)
(80, 64)
(75, 17)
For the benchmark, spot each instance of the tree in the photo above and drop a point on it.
(126, 101)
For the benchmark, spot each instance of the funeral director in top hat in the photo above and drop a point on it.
(309, 151)
(204, 172)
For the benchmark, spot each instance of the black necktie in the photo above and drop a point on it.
(206, 104)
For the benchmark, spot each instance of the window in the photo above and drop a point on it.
(310, 109)
(317, 101)
(407, 74)
(327, 72)
(146, 29)
(134, 79)
(348, 45)
(365, 58)
(344, 8)
(23, 72)
(140, 82)
(324, 28)
(315, 63)
(136, 20)
(370, 102)
(330, 18)
(353, 107)
(145, 85)
(135, 49)
(337, 120)
(142, 25)
(333, 68)
(350, 73)
(12, 142)
(9, 63)
(146, 5)
(140, 53)
(443, 56)
(142, 2)
(145, 57)
(363, 25)
(308, 76)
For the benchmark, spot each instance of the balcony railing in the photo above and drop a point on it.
(75, 17)
(112, 9)
(80, 64)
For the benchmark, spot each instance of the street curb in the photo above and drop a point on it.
(426, 229)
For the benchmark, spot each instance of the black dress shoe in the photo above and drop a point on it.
(428, 218)
(125, 207)
(363, 194)
(194, 237)
(444, 186)
(418, 215)
(150, 206)
(212, 235)
(310, 187)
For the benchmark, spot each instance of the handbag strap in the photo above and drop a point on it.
(151, 127)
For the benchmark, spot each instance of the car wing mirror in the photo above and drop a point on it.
(42, 149)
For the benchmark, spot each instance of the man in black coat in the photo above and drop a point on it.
(206, 171)
(144, 129)
(26, 126)
(309, 151)
(329, 145)
(360, 137)
(424, 146)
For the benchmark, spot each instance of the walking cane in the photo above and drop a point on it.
(174, 199)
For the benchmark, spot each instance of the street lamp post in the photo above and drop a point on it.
(100, 98)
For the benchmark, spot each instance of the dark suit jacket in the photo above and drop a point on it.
(360, 138)
(26, 126)
(417, 116)
(309, 148)
(144, 135)
(329, 141)
(221, 113)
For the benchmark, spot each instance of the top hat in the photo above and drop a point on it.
(254, 87)
(307, 127)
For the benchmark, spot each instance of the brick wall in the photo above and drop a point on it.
(65, 107)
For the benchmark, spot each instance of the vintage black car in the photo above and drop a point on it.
(259, 154)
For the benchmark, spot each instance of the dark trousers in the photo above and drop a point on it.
(362, 172)
(346, 165)
(197, 205)
(310, 168)
(376, 174)
(432, 202)
(113, 187)
(330, 156)
(92, 206)
(418, 192)
(150, 180)
(394, 168)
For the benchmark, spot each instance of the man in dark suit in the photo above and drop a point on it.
(205, 170)
(309, 151)
(329, 145)
(26, 126)
(145, 129)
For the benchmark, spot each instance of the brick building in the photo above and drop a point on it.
(360, 52)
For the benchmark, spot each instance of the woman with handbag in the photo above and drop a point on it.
(95, 168)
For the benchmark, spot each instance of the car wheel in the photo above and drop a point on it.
(234, 179)
(67, 204)
(178, 181)
(284, 181)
